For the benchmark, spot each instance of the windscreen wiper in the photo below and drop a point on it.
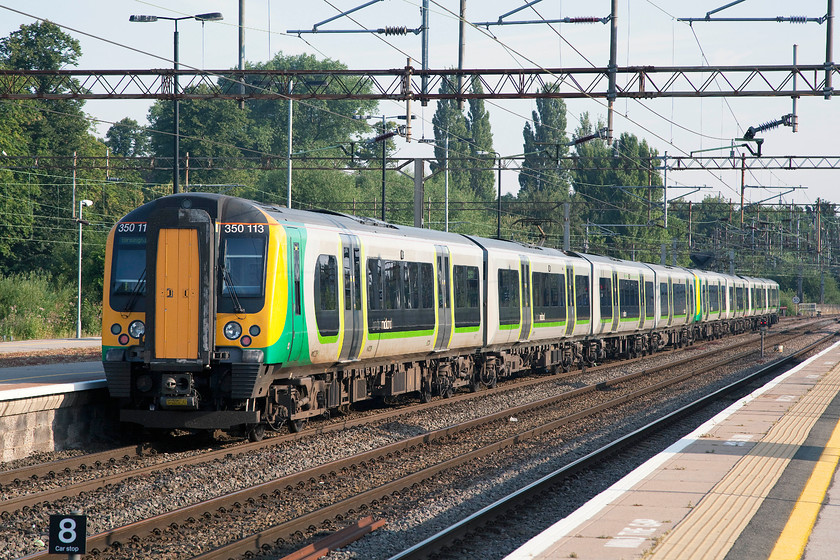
(135, 293)
(237, 306)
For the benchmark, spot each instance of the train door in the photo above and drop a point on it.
(300, 343)
(176, 298)
(615, 303)
(642, 301)
(444, 304)
(671, 321)
(353, 319)
(525, 269)
(571, 310)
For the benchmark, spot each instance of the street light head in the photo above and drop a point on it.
(143, 19)
(212, 16)
(86, 202)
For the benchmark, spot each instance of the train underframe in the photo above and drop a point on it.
(295, 400)
(192, 400)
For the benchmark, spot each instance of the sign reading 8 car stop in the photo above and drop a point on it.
(68, 534)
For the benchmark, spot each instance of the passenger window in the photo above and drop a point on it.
(582, 305)
(467, 295)
(628, 297)
(549, 297)
(605, 291)
(326, 295)
(508, 297)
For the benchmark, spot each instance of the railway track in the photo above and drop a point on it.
(465, 531)
(253, 500)
(310, 480)
(124, 455)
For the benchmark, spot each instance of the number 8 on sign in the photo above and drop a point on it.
(67, 533)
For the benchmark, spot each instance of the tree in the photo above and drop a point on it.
(612, 183)
(39, 128)
(470, 143)
(543, 180)
(39, 46)
(545, 142)
(127, 138)
(450, 129)
(207, 129)
(316, 123)
(481, 146)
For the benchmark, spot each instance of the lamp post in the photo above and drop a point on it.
(382, 138)
(176, 148)
(82, 204)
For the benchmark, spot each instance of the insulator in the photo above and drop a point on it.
(798, 19)
(767, 126)
(584, 20)
(391, 30)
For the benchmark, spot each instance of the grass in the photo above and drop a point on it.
(32, 306)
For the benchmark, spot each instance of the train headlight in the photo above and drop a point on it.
(137, 329)
(116, 328)
(233, 330)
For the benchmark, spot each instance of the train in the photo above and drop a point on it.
(221, 313)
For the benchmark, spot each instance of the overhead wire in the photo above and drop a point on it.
(508, 49)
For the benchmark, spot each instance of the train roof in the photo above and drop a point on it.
(240, 206)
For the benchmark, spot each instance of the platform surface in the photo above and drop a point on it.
(22, 382)
(750, 483)
(39, 345)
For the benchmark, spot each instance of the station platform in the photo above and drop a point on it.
(44, 345)
(759, 480)
(51, 407)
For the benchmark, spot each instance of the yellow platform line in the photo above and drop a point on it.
(791, 543)
(712, 527)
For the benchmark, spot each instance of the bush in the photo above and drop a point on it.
(32, 307)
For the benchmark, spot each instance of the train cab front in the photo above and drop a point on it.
(165, 285)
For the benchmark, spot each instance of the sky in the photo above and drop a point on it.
(648, 34)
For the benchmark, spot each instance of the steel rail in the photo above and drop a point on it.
(348, 506)
(476, 521)
(29, 500)
(304, 523)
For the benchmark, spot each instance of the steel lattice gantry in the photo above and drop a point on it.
(406, 83)
(199, 163)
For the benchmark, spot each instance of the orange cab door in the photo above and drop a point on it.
(177, 288)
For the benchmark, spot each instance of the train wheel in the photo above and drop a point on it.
(425, 390)
(474, 384)
(256, 432)
(296, 425)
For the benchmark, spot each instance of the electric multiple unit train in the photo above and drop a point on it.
(223, 313)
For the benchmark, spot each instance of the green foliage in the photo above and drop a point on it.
(208, 129)
(621, 212)
(478, 125)
(316, 123)
(39, 46)
(32, 306)
(127, 138)
(544, 143)
(470, 144)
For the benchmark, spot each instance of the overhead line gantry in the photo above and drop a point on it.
(404, 84)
